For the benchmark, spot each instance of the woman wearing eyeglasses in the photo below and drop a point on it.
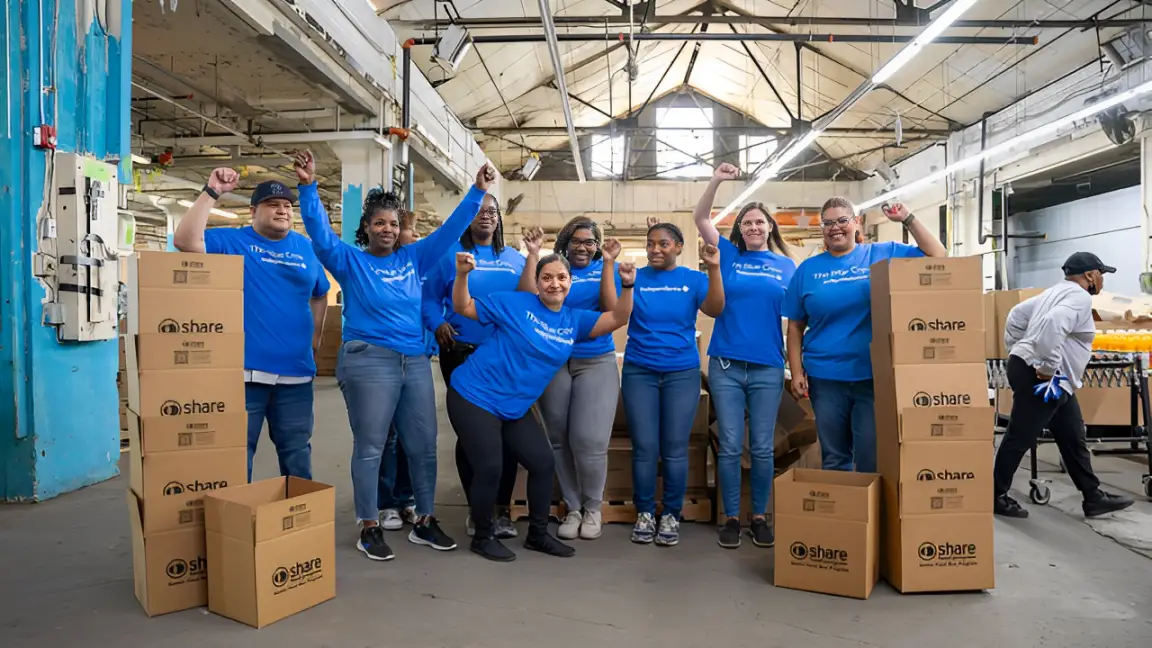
(829, 309)
(498, 269)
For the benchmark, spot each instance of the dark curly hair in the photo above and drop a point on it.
(775, 241)
(377, 200)
(578, 223)
(672, 230)
(497, 236)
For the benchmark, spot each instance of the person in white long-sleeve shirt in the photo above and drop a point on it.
(1051, 335)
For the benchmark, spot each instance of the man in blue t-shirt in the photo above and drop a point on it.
(285, 290)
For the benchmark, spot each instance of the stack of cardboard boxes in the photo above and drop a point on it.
(933, 424)
(330, 341)
(187, 424)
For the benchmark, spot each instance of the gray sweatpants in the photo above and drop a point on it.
(578, 407)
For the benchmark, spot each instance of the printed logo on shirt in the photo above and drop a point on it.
(499, 265)
(279, 258)
(664, 289)
(591, 276)
(390, 275)
(563, 335)
(754, 269)
(854, 273)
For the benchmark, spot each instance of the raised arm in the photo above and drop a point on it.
(925, 239)
(703, 212)
(608, 253)
(328, 247)
(189, 235)
(714, 302)
(462, 299)
(435, 245)
(618, 316)
(533, 239)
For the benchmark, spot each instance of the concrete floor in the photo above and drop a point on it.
(65, 580)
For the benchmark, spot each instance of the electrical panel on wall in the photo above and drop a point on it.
(84, 219)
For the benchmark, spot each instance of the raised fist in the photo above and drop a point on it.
(533, 239)
(611, 249)
(627, 271)
(465, 263)
(223, 180)
(710, 255)
(305, 166)
(726, 172)
(485, 177)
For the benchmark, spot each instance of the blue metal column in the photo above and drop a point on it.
(59, 428)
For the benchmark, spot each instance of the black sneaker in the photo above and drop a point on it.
(372, 544)
(730, 534)
(427, 532)
(492, 549)
(546, 544)
(1103, 502)
(761, 533)
(1008, 507)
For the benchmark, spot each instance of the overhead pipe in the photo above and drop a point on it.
(406, 124)
(550, 35)
(561, 83)
(980, 181)
(794, 21)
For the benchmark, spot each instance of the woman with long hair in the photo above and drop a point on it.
(829, 309)
(491, 394)
(383, 369)
(661, 375)
(498, 270)
(580, 403)
(746, 354)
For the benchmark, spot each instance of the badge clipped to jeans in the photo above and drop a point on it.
(1052, 389)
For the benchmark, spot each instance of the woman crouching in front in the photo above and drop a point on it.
(492, 392)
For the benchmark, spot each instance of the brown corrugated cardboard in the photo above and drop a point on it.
(945, 477)
(939, 553)
(827, 531)
(938, 311)
(186, 393)
(927, 386)
(184, 433)
(940, 424)
(170, 570)
(1004, 301)
(927, 274)
(171, 485)
(152, 352)
(183, 270)
(271, 549)
(992, 337)
(935, 347)
(185, 313)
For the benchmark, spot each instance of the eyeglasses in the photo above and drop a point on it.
(842, 221)
(489, 211)
(588, 243)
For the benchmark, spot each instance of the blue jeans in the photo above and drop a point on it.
(288, 409)
(382, 387)
(738, 387)
(660, 408)
(395, 487)
(845, 423)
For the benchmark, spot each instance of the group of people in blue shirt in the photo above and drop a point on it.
(526, 351)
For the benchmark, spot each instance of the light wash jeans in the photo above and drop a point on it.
(845, 423)
(579, 406)
(738, 387)
(660, 407)
(288, 409)
(381, 388)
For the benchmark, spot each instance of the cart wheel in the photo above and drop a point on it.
(1147, 487)
(1039, 494)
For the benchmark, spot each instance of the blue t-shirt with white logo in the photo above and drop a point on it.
(833, 295)
(750, 328)
(492, 274)
(585, 295)
(662, 329)
(382, 295)
(280, 279)
(529, 344)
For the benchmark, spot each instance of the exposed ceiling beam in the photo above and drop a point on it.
(604, 37)
(538, 131)
(561, 84)
(795, 21)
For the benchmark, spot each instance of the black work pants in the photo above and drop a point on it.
(450, 359)
(1030, 416)
(486, 439)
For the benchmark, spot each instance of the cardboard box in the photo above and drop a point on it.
(928, 274)
(934, 347)
(939, 424)
(939, 553)
(271, 549)
(992, 337)
(182, 393)
(827, 531)
(171, 485)
(185, 313)
(935, 477)
(185, 271)
(1003, 301)
(153, 352)
(170, 570)
(927, 386)
(942, 311)
(186, 433)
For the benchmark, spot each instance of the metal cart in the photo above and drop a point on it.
(1105, 370)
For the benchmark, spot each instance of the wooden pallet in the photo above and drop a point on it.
(519, 510)
(696, 509)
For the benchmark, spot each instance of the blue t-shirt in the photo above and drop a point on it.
(832, 294)
(750, 328)
(492, 274)
(529, 344)
(280, 277)
(585, 295)
(382, 294)
(662, 329)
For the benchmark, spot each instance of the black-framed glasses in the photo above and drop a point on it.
(842, 221)
(489, 211)
(588, 243)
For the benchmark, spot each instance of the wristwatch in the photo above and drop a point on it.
(211, 192)
(908, 221)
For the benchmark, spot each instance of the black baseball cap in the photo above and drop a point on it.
(272, 189)
(1081, 262)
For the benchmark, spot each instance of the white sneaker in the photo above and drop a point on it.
(591, 528)
(390, 519)
(469, 527)
(408, 515)
(570, 526)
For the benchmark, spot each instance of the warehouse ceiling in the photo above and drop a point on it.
(507, 91)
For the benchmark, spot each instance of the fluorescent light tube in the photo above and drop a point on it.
(930, 33)
(215, 212)
(1010, 144)
(767, 174)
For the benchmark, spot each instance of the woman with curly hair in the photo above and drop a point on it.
(579, 404)
(383, 369)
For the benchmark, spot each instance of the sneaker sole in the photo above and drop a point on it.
(1107, 511)
(729, 545)
(1022, 515)
(370, 556)
(642, 540)
(392, 526)
(764, 545)
(417, 540)
(549, 553)
(565, 535)
(590, 536)
(667, 543)
(493, 558)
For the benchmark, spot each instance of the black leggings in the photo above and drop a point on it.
(450, 359)
(486, 439)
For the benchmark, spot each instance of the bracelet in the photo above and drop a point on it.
(908, 221)
(211, 192)
(624, 285)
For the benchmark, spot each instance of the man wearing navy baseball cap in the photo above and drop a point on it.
(285, 290)
(1049, 341)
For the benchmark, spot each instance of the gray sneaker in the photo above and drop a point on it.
(390, 519)
(470, 528)
(645, 529)
(669, 534)
(503, 527)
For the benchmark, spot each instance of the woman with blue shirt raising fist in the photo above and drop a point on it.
(492, 392)
(661, 376)
(383, 369)
(829, 311)
(746, 355)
